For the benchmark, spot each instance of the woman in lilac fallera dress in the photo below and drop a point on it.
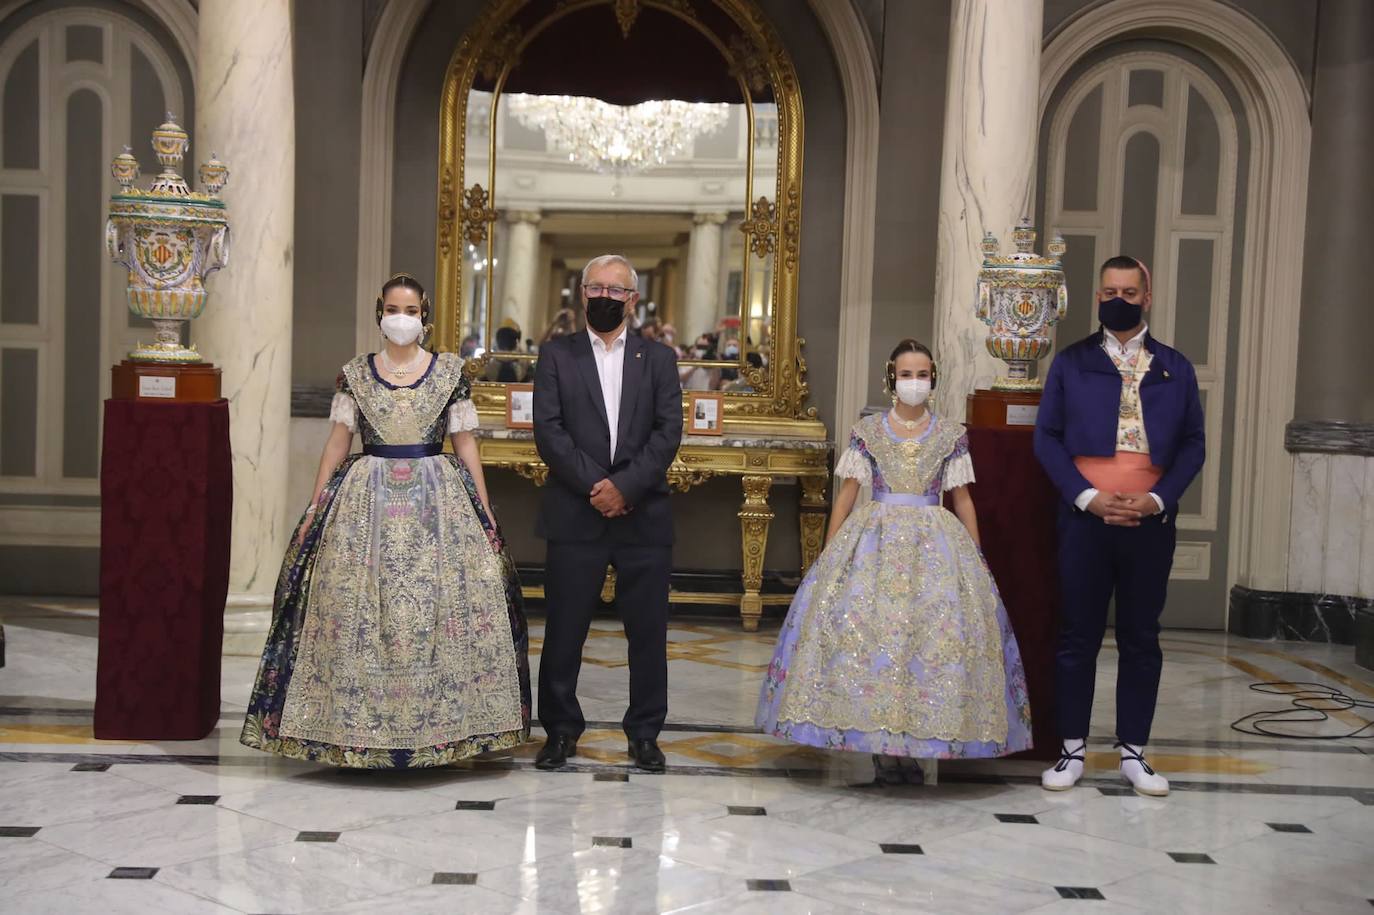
(897, 643)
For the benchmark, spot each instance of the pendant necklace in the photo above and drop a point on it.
(910, 425)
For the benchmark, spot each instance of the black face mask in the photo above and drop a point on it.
(1119, 315)
(604, 313)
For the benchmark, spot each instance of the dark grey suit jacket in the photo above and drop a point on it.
(573, 437)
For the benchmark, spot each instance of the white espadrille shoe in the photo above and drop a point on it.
(1137, 771)
(1065, 773)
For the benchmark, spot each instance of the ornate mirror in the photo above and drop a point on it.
(669, 131)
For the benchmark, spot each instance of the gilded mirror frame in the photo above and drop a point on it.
(492, 47)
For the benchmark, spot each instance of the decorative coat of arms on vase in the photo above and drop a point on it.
(171, 239)
(1020, 297)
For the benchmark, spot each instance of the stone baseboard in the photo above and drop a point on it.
(1364, 638)
(1297, 616)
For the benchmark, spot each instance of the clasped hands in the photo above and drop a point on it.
(607, 499)
(1124, 509)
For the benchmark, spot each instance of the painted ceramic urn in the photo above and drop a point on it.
(170, 238)
(1020, 297)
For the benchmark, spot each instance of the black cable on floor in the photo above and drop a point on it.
(1311, 704)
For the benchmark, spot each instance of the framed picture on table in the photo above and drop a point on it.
(705, 412)
(519, 406)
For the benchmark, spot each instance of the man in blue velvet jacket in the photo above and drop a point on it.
(1120, 433)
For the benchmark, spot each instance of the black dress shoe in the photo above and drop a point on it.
(647, 755)
(555, 752)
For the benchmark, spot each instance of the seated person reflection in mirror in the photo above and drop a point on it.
(507, 341)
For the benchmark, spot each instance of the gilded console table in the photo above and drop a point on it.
(758, 462)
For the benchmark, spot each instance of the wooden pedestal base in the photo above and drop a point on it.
(155, 381)
(1003, 409)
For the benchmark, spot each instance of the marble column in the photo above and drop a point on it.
(245, 112)
(521, 269)
(702, 309)
(1333, 348)
(986, 172)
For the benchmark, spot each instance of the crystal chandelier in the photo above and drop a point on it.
(618, 139)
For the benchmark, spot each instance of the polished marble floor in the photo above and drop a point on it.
(740, 823)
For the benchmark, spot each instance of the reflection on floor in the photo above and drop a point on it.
(741, 823)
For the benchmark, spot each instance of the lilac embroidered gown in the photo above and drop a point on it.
(897, 641)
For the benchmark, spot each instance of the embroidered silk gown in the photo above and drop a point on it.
(897, 641)
(398, 635)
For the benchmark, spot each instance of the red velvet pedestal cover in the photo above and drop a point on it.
(1017, 507)
(166, 499)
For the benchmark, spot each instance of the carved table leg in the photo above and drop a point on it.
(608, 586)
(754, 519)
(812, 520)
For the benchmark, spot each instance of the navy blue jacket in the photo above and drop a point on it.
(573, 437)
(1080, 409)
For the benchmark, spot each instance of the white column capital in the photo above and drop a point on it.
(710, 218)
(524, 217)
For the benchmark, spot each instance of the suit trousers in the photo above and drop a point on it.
(1099, 561)
(574, 572)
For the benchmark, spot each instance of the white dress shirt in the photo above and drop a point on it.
(610, 368)
(1127, 350)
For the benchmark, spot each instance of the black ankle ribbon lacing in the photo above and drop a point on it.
(1312, 703)
(1065, 757)
(1132, 753)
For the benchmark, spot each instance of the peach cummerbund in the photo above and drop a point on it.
(1125, 471)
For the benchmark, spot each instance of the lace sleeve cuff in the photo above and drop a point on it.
(462, 416)
(958, 471)
(344, 410)
(852, 465)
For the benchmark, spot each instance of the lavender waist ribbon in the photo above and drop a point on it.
(909, 499)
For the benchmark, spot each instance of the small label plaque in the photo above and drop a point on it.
(1021, 414)
(157, 386)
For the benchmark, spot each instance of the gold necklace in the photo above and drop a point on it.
(402, 372)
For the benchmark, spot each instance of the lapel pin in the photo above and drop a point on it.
(639, 355)
(1166, 373)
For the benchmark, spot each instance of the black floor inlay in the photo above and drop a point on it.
(317, 837)
(132, 873)
(611, 841)
(475, 805)
(769, 886)
(18, 832)
(1016, 818)
(1288, 827)
(455, 879)
(1079, 892)
(746, 811)
(611, 777)
(897, 848)
(205, 799)
(91, 767)
(1115, 791)
(1191, 857)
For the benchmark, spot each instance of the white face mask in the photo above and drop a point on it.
(402, 330)
(913, 391)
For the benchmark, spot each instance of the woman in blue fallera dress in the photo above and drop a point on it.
(398, 637)
(897, 643)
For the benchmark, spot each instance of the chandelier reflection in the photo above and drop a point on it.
(618, 139)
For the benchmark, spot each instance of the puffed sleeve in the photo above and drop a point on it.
(343, 408)
(854, 463)
(958, 470)
(462, 415)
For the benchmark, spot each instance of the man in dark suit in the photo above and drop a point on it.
(607, 422)
(1120, 433)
